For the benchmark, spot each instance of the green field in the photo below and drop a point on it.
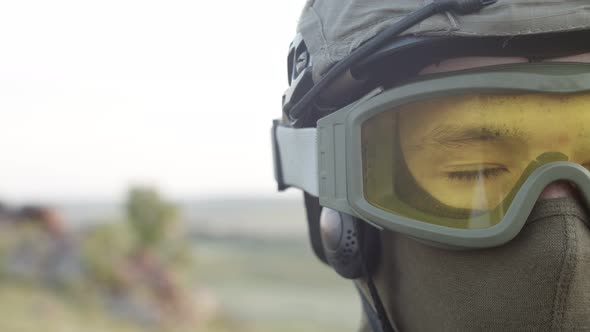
(254, 257)
(261, 286)
(252, 260)
(276, 284)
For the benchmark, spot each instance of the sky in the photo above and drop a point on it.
(96, 96)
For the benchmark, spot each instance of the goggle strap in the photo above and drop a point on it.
(295, 158)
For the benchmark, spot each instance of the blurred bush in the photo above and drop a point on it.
(136, 269)
(105, 249)
(150, 217)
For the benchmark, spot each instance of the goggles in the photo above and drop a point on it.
(454, 159)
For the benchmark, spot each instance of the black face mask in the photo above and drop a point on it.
(537, 281)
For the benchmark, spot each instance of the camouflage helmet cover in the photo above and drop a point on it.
(332, 29)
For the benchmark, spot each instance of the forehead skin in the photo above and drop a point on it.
(444, 138)
(477, 111)
(549, 122)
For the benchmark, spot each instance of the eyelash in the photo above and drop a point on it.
(485, 173)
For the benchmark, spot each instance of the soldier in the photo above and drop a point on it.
(443, 149)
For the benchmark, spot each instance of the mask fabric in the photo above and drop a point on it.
(537, 282)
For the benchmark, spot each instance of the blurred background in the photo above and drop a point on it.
(136, 183)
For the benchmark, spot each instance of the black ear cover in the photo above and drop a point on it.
(351, 246)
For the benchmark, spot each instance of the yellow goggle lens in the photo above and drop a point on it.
(457, 161)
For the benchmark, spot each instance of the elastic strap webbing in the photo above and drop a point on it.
(296, 158)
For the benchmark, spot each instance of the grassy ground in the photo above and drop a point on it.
(30, 309)
(260, 279)
(33, 309)
(260, 287)
(274, 285)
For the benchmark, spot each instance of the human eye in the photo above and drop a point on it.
(475, 174)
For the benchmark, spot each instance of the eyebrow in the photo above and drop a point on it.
(450, 136)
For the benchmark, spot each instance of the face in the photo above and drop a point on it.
(470, 151)
(460, 160)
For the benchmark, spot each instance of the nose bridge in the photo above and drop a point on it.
(566, 180)
(555, 179)
(562, 189)
(559, 189)
(561, 201)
